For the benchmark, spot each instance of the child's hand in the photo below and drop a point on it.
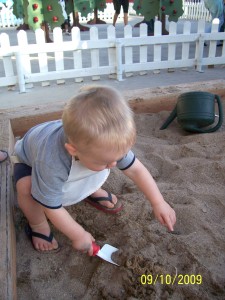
(84, 243)
(165, 214)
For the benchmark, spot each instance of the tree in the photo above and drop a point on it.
(75, 6)
(151, 8)
(97, 5)
(20, 11)
(40, 12)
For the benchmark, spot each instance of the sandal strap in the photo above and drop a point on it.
(32, 233)
(5, 152)
(99, 199)
(43, 236)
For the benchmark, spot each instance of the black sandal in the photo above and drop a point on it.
(95, 201)
(4, 159)
(30, 233)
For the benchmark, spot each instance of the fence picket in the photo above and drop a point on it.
(186, 45)
(198, 48)
(42, 57)
(143, 49)
(128, 50)
(212, 44)
(25, 58)
(111, 35)
(77, 54)
(59, 56)
(7, 62)
(157, 48)
(94, 52)
(172, 46)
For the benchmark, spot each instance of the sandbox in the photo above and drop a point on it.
(14, 123)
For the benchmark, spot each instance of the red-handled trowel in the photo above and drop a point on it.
(105, 252)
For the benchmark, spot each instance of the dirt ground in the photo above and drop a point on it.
(154, 264)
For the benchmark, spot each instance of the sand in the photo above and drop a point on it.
(154, 264)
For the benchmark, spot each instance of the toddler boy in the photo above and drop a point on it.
(66, 161)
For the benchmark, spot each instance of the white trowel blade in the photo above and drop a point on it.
(106, 252)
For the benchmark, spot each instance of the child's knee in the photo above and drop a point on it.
(23, 186)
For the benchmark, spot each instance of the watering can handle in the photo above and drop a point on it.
(220, 108)
(220, 121)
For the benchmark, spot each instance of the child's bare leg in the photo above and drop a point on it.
(125, 19)
(115, 19)
(35, 214)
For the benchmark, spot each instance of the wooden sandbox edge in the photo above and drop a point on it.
(7, 230)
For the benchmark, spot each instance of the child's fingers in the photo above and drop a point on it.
(171, 221)
(90, 251)
(168, 221)
(169, 225)
(161, 220)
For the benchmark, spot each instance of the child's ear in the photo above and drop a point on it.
(71, 149)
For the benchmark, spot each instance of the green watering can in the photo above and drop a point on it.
(196, 110)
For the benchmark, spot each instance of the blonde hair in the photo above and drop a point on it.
(99, 115)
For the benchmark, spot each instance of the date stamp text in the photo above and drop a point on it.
(167, 279)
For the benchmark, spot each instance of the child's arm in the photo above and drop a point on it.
(143, 179)
(62, 220)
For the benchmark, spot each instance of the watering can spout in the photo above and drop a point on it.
(171, 117)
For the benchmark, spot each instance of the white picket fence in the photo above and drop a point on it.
(116, 57)
(193, 10)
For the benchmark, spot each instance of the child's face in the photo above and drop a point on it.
(96, 158)
(99, 159)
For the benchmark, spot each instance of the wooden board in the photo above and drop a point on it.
(15, 122)
(7, 232)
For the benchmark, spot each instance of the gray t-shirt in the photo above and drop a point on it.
(42, 148)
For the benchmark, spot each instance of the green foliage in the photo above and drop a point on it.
(82, 6)
(172, 8)
(147, 8)
(20, 9)
(49, 11)
(53, 15)
(99, 4)
(35, 14)
(151, 8)
(69, 7)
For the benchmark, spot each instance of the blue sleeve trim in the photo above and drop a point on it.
(127, 167)
(52, 207)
